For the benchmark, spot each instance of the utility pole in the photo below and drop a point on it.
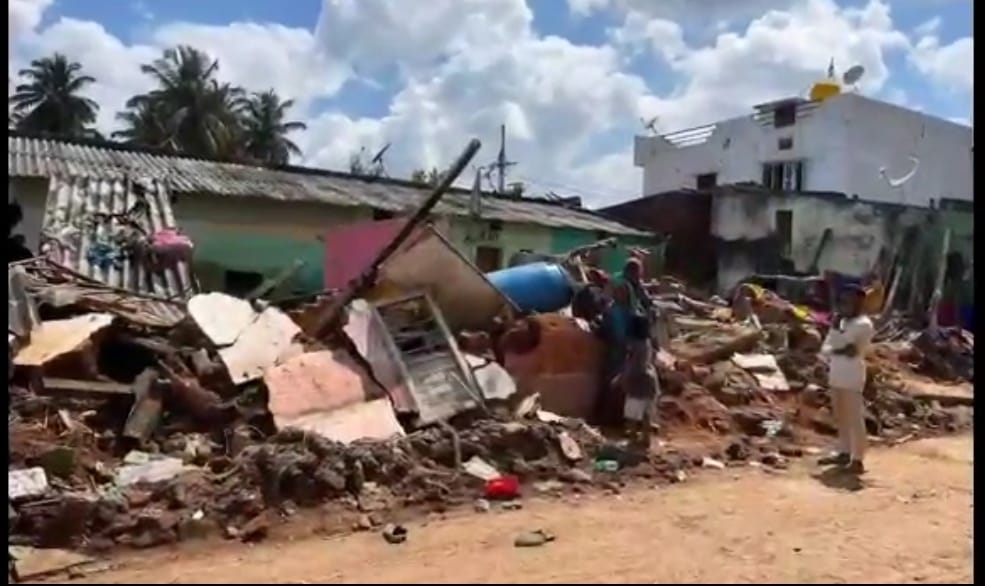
(501, 163)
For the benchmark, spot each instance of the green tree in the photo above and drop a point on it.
(265, 129)
(189, 110)
(429, 177)
(49, 100)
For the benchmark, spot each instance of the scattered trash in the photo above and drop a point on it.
(234, 412)
(502, 488)
(394, 534)
(144, 468)
(712, 463)
(569, 447)
(481, 469)
(534, 538)
(28, 483)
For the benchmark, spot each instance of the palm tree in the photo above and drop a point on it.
(265, 130)
(189, 111)
(143, 123)
(49, 100)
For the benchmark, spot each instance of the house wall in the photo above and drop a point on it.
(259, 236)
(844, 141)
(468, 234)
(745, 226)
(683, 219)
(31, 194)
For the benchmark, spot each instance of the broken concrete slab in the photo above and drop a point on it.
(148, 468)
(371, 420)
(56, 338)
(764, 368)
(33, 562)
(493, 380)
(267, 341)
(27, 483)
(223, 318)
(480, 469)
(316, 383)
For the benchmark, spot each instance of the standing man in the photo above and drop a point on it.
(849, 337)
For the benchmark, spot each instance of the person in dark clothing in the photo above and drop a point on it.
(639, 383)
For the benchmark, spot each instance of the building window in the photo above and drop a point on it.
(488, 258)
(784, 176)
(706, 180)
(784, 231)
(785, 143)
(785, 115)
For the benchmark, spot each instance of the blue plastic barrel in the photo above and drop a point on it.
(540, 286)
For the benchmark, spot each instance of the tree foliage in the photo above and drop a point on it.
(50, 99)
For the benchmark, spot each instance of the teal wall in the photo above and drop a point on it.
(260, 236)
(565, 239)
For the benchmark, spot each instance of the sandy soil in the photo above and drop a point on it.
(910, 521)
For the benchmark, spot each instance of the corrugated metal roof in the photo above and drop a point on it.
(82, 220)
(40, 157)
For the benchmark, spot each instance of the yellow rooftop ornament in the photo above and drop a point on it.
(826, 88)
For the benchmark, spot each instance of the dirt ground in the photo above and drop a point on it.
(910, 521)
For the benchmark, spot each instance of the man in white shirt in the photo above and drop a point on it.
(849, 337)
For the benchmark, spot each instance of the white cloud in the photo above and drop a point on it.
(23, 16)
(777, 55)
(463, 67)
(951, 65)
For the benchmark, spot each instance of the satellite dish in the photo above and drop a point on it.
(853, 74)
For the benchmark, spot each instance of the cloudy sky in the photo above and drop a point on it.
(570, 78)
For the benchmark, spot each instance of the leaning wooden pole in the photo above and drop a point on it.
(365, 280)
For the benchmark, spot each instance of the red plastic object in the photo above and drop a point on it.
(503, 487)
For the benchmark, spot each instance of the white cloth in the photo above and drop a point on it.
(637, 409)
(848, 372)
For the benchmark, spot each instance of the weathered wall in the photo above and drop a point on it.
(259, 236)
(844, 141)
(684, 218)
(31, 194)
(467, 234)
(745, 224)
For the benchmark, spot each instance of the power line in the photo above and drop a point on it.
(611, 195)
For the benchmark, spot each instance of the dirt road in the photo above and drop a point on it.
(910, 522)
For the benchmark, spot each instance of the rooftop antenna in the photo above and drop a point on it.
(650, 125)
(376, 163)
(852, 75)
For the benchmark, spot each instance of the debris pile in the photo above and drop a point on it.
(137, 422)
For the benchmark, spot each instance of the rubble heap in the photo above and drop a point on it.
(133, 426)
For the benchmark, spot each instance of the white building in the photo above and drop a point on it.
(846, 143)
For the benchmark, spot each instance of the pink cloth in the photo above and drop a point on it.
(171, 243)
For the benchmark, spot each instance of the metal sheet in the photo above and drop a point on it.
(41, 157)
(80, 215)
(221, 317)
(430, 263)
(59, 337)
(370, 339)
(267, 341)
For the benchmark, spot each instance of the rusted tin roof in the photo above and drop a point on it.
(41, 157)
(82, 220)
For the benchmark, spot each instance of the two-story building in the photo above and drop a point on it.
(846, 143)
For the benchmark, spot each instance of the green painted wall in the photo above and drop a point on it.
(259, 236)
(468, 234)
(565, 239)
